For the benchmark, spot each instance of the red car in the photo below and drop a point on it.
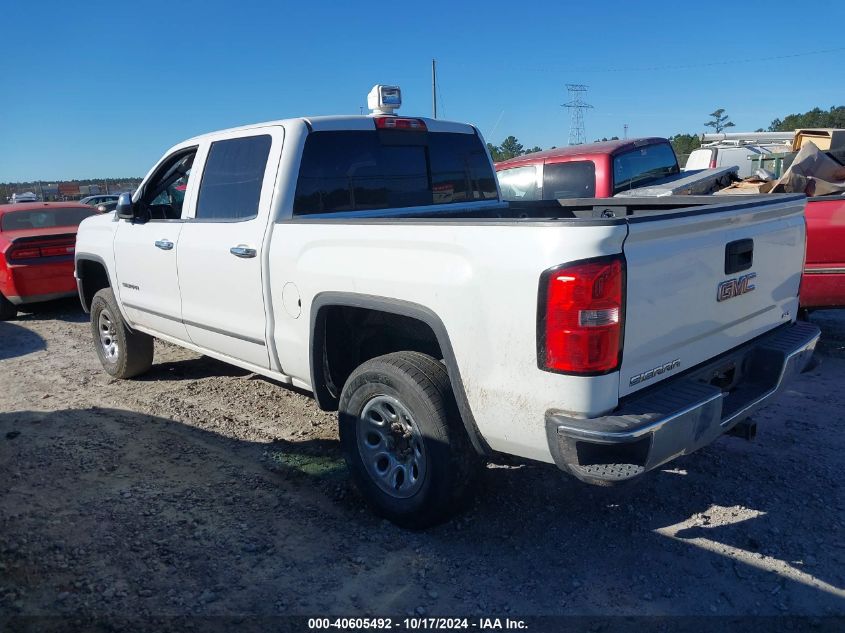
(823, 284)
(37, 242)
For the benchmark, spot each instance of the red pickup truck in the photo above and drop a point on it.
(592, 170)
(823, 285)
(601, 170)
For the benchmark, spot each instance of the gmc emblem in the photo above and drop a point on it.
(735, 287)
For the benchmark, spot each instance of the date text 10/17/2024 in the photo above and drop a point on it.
(415, 624)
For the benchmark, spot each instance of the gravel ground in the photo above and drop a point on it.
(204, 489)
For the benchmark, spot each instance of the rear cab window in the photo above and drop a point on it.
(573, 179)
(643, 166)
(345, 171)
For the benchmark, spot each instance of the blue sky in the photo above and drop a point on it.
(102, 89)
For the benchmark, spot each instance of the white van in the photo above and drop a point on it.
(727, 149)
(726, 154)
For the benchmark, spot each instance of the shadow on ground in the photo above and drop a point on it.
(832, 342)
(106, 511)
(68, 310)
(18, 341)
(190, 369)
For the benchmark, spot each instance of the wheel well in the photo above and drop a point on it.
(348, 336)
(93, 277)
(349, 329)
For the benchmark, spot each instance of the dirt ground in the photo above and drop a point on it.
(204, 489)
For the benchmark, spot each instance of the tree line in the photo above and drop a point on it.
(510, 148)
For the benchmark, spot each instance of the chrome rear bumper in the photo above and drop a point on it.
(680, 415)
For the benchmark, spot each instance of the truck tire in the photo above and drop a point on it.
(123, 352)
(404, 441)
(8, 310)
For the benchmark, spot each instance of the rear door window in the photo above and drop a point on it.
(576, 179)
(363, 170)
(232, 179)
(643, 166)
(520, 183)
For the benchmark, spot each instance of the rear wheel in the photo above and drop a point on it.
(8, 310)
(404, 441)
(123, 353)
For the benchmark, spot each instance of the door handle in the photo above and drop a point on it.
(164, 245)
(243, 251)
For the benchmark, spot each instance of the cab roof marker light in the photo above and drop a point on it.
(383, 100)
(399, 123)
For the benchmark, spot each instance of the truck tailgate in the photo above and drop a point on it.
(703, 281)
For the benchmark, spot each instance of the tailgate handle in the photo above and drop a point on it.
(739, 256)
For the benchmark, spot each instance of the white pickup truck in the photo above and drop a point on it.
(370, 260)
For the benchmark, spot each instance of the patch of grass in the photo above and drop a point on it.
(320, 466)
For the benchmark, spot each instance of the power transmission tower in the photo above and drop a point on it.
(576, 105)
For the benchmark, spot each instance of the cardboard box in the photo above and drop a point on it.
(748, 186)
(823, 138)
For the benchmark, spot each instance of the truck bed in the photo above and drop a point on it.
(610, 210)
(695, 182)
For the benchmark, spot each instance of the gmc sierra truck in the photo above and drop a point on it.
(371, 261)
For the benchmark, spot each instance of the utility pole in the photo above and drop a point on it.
(576, 105)
(434, 87)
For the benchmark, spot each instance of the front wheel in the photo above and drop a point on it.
(123, 353)
(404, 441)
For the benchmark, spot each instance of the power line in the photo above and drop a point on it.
(727, 62)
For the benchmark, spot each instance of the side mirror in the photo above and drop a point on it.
(124, 207)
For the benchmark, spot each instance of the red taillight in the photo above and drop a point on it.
(23, 253)
(581, 317)
(34, 250)
(55, 251)
(712, 159)
(399, 123)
